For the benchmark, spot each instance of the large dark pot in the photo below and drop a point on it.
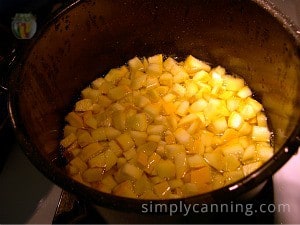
(85, 40)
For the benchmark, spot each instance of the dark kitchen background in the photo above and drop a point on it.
(26, 196)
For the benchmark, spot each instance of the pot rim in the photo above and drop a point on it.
(226, 193)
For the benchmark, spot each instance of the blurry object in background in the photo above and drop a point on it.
(23, 25)
(40, 9)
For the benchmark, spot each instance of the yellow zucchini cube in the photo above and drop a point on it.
(264, 151)
(196, 161)
(201, 176)
(125, 141)
(216, 160)
(139, 80)
(151, 82)
(261, 119)
(169, 63)
(130, 154)
(174, 149)
(249, 153)
(154, 69)
(79, 164)
(179, 74)
(84, 138)
(166, 169)
(245, 129)
(232, 162)
(84, 105)
(158, 59)
(92, 174)
(99, 134)
(233, 103)
(201, 77)
(90, 150)
(175, 183)
(125, 189)
(116, 74)
(244, 92)
(233, 83)
(255, 104)
(111, 133)
(154, 138)
(247, 111)
(235, 120)
(166, 79)
(68, 140)
(180, 165)
(198, 106)
(90, 93)
(98, 82)
(190, 118)
(109, 181)
(142, 185)
(149, 147)
(115, 148)
(89, 119)
(119, 120)
(162, 189)
(118, 92)
(154, 95)
(182, 136)
(110, 159)
(142, 159)
(232, 148)
(74, 120)
(97, 161)
(141, 101)
(169, 98)
(68, 129)
(104, 101)
(230, 134)
(156, 129)
(153, 161)
(132, 171)
(153, 109)
(139, 137)
(137, 122)
(219, 125)
(193, 65)
(261, 134)
(135, 64)
(179, 89)
(183, 108)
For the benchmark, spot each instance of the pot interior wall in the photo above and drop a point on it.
(92, 37)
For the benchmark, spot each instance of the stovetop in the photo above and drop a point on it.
(26, 196)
